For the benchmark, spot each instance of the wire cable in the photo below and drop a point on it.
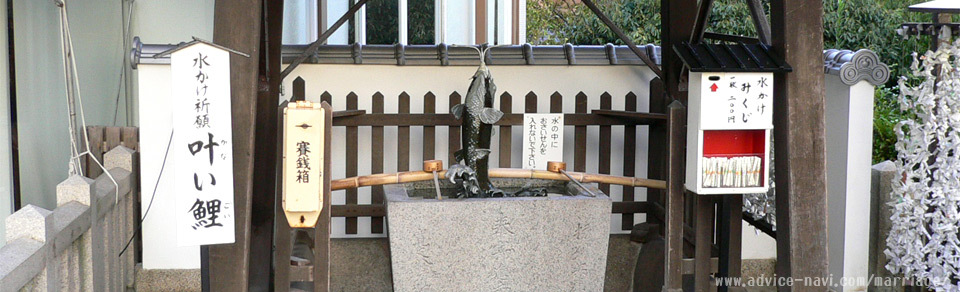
(155, 186)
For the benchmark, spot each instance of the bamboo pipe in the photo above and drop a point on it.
(414, 176)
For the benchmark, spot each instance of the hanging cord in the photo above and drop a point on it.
(71, 109)
(155, 186)
(73, 98)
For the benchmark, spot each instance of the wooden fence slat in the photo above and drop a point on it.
(352, 160)
(453, 133)
(299, 90)
(112, 137)
(130, 138)
(403, 135)
(506, 132)
(556, 103)
(629, 158)
(580, 137)
(376, 164)
(530, 106)
(530, 103)
(325, 96)
(605, 141)
(95, 134)
(429, 132)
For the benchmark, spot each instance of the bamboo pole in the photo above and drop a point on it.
(414, 176)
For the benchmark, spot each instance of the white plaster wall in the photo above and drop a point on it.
(172, 21)
(162, 22)
(160, 250)
(756, 244)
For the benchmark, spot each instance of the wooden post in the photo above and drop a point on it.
(730, 238)
(703, 243)
(673, 258)
(321, 236)
(797, 27)
(676, 26)
(282, 235)
(265, 156)
(225, 267)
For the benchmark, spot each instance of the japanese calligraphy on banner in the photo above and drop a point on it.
(736, 101)
(304, 146)
(202, 145)
(542, 140)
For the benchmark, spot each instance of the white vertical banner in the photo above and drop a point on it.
(542, 140)
(202, 145)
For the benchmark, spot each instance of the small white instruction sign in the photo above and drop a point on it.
(737, 101)
(542, 140)
(202, 145)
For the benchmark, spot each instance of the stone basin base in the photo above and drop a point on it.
(555, 243)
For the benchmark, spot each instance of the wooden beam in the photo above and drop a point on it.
(598, 118)
(759, 20)
(730, 38)
(237, 26)
(676, 26)
(700, 24)
(797, 27)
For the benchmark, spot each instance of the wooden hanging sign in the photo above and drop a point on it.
(306, 182)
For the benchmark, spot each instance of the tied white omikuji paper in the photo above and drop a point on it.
(923, 242)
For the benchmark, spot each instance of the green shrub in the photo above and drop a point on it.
(848, 24)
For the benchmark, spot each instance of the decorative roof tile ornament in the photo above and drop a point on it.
(852, 67)
(923, 242)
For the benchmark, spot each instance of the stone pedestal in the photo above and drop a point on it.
(555, 243)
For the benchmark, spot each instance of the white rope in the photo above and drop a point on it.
(122, 76)
(71, 77)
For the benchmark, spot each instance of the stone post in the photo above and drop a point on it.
(123, 157)
(35, 223)
(75, 260)
(881, 190)
(80, 189)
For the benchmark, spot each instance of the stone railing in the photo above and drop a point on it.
(77, 245)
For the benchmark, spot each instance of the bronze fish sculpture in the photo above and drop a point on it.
(477, 125)
(478, 116)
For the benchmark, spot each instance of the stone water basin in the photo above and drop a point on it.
(553, 243)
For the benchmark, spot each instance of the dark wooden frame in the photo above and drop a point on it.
(798, 118)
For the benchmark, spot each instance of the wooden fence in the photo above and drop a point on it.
(433, 120)
(77, 245)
